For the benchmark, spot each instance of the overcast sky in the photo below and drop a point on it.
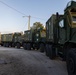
(11, 20)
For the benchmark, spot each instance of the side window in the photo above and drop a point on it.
(61, 23)
(47, 26)
(74, 19)
(49, 23)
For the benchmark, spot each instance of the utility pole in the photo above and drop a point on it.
(28, 21)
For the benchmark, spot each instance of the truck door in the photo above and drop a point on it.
(61, 32)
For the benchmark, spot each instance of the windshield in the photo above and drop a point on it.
(69, 4)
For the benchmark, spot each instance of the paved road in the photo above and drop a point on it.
(22, 62)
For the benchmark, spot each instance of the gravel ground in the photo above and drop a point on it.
(22, 62)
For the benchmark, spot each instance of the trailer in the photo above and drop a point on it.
(61, 37)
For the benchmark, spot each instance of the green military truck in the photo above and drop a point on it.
(34, 39)
(11, 39)
(6, 39)
(17, 39)
(61, 36)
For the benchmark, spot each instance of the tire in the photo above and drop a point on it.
(1, 44)
(42, 47)
(18, 45)
(52, 52)
(47, 50)
(71, 62)
(4, 44)
(28, 46)
(33, 48)
(13, 44)
(25, 46)
(66, 48)
(7, 44)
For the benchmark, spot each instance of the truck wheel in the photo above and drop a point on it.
(13, 45)
(52, 52)
(7, 45)
(47, 50)
(18, 45)
(4, 44)
(71, 62)
(42, 48)
(28, 46)
(1, 44)
(25, 46)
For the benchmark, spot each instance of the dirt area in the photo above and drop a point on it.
(22, 62)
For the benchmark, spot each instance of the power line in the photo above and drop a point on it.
(18, 10)
(12, 8)
(21, 13)
(37, 18)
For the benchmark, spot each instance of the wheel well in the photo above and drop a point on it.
(18, 42)
(69, 45)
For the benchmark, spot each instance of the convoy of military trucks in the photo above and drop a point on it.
(31, 39)
(57, 40)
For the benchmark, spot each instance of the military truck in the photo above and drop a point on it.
(11, 39)
(61, 36)
(6, 39)
(34, 39)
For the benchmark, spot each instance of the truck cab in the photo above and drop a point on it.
(67, 24)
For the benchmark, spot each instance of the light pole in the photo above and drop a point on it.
(28, 21)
